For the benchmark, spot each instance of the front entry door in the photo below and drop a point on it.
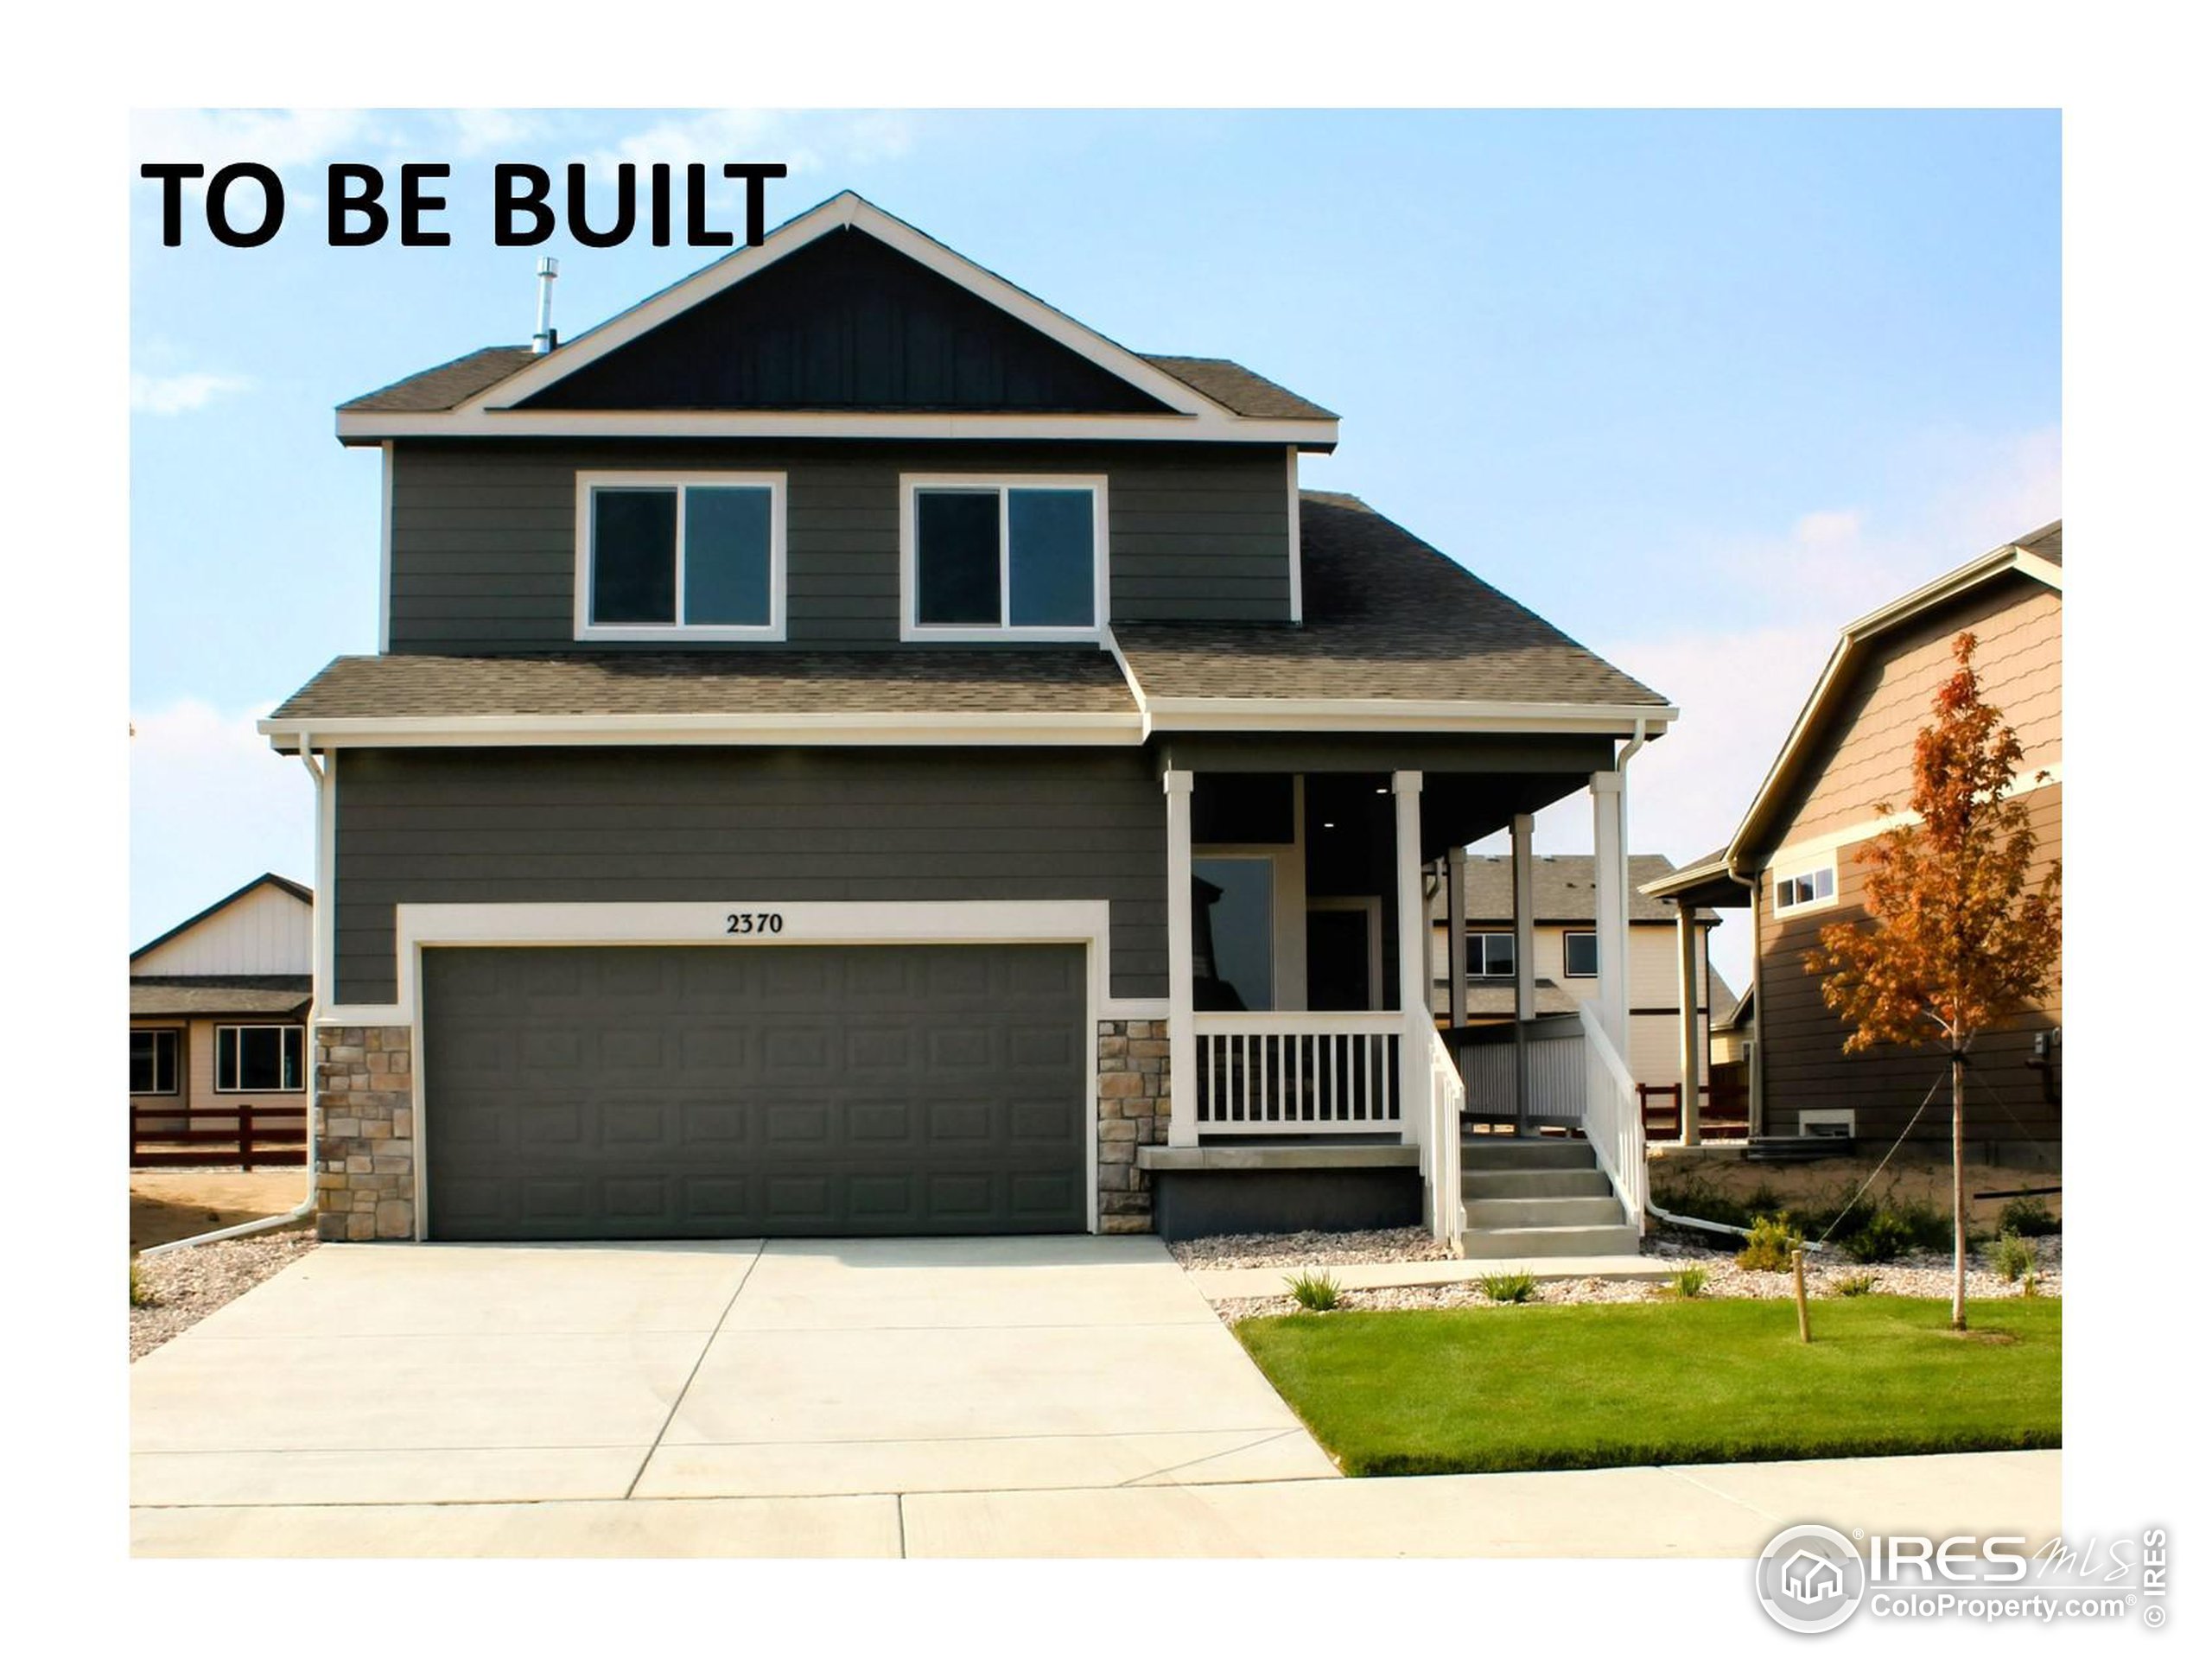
(1336, 961)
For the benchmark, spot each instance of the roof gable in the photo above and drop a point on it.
(2033, 565)
(266, 927)
(847, 322)
(880, 332)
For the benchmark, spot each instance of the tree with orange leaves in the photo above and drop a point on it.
(1954, 940)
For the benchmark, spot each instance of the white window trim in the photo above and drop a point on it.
(223, 1026)
(680, 633)
(910, 628)
(1808, 867)
(176, 1034)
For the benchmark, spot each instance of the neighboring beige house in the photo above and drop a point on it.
(1564, 935)
(219, 1007)
(1794, 859)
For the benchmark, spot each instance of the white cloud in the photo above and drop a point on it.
(212, 807)
(278, 138)
(1740, 687)
(478, 133)
(805, 141)
(179, 394)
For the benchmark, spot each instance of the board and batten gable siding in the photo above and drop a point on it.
(1805, 1064)
(2016, 622)
(267, 931)
(747, 828)
(483, 534)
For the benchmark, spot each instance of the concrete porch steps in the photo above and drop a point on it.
(1532, 1199)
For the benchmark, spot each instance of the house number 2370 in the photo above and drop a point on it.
(755, 921)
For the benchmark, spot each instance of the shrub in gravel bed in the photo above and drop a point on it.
(2029, 1217)
(1769, 1247)
(1316, 1293)
(1852, 1284)
(1689, 1281)
(2012, 1257)
(1509, 1287)
(140, 1295)
(1883, 1238)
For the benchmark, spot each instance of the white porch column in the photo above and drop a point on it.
(1455, 926)
(1608, 800)
(1693, 1052)
(1524, 916)
(1524, 958)
(1182, 1027)
(1417, 1022)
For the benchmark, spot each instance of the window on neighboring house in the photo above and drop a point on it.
(990, 558)
(153, 1062)
(664, 554)
(260, 1060)
(1489, 956)
(1581, 956)
(1802, 889)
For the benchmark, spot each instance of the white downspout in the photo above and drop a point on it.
(305, 1208)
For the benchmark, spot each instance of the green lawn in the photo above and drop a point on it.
(1455, 1390)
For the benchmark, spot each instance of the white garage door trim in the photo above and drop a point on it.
(979, 921)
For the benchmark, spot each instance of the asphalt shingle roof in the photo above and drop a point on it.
(1386, 616)
(177, 995)
(935, 681)
(1232, 385)
(1566, 889)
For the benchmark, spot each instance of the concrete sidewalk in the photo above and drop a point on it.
(1725, 1510)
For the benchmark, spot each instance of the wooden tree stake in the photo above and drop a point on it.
(1805, 1314)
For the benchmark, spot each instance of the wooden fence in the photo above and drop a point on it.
(1724, 1112)
(171, 1137)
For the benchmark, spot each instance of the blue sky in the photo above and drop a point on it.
(1698, 388)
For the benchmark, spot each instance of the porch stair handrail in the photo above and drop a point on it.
(1612, 1117)
(1447, 1099)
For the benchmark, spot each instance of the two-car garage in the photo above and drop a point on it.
(674, 1091)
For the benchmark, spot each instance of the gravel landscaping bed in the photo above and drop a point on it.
(186, 1285)
(1310, 1250)
(1916, 1274)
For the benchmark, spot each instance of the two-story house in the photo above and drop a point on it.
(1794, 861)
(1562, 950)
(853, 750)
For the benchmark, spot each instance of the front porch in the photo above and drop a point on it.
(1309, 1083)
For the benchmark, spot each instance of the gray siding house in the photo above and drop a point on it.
(855, 751)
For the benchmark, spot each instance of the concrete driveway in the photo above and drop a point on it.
(606, 1376)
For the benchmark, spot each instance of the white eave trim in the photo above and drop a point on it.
(1127, 729)
(515, 730)
(379, 426)
(1392, 713)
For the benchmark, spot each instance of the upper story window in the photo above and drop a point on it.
(1581, 955)
(674, 556)
(1003, 558)
(1808, 888)
(1489, 956)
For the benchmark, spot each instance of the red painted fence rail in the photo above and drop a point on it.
(171, 1137)
(1724, 1114)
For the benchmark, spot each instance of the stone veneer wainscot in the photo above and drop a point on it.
(1133, 1110)
(365, 1146)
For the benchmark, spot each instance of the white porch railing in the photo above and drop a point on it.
(1283, 1073)
(1612, 1116)
(1440, 1153)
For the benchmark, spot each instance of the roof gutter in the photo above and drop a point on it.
(304, 1208)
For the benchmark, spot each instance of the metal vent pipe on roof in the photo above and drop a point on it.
(545, 338)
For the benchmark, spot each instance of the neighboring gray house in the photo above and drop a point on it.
(853, 750)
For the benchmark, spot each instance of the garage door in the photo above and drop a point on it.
(671, 1092)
